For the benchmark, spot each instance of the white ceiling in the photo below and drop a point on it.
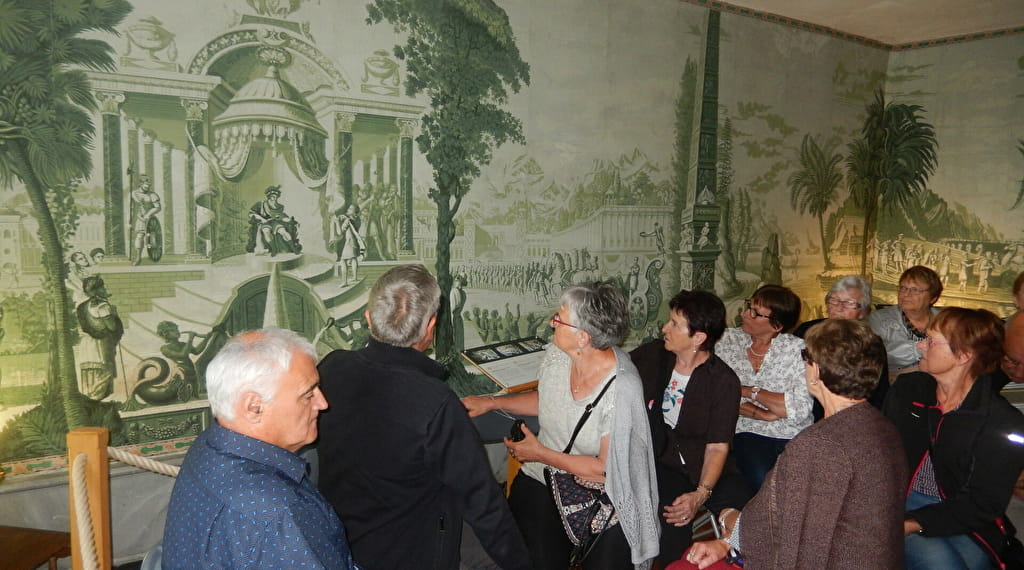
(898, 22)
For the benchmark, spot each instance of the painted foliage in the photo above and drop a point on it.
(261, 163)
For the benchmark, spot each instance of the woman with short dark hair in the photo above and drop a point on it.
(963, 440)
(691, 395)
(775, 404)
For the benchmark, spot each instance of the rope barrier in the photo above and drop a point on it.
(79, 490)
(143, 462)
(86, 538)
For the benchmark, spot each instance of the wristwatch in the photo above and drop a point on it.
(754, 391)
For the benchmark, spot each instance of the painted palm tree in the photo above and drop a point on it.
(893, 159)
(462, 54)
(814, 185)
(45, 133)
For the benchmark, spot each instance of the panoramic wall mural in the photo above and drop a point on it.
(263, 164)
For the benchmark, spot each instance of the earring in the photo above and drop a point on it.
(579, 351)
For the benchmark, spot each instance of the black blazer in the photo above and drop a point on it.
(709, 410)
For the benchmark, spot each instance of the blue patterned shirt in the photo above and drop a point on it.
(243, 503)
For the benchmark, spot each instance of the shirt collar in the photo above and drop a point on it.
(241, 445)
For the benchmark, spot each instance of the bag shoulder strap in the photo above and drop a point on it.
(586, 415)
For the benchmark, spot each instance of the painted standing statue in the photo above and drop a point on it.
(100, 321)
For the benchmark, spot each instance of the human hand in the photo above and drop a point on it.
(478, 405)
(704, 554)
(682, 509)
(528, 449)
(910, 526)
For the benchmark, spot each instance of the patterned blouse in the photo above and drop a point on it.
(782, 371)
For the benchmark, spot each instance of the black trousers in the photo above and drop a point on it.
(730, 491)
(537, 516)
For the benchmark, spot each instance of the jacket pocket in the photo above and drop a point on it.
(440, 543)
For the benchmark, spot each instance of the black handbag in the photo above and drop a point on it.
(584, 506)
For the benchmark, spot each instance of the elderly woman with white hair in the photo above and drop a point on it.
(584, 371)
(848, 298)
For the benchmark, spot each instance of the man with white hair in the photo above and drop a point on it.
(243, 498)
(399, 457)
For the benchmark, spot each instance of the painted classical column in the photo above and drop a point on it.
(167, 183)
(378, 178)
(406, 129)
(113, 179)
(700, 237)
(195, 111)
(148, 154)
(343, 154)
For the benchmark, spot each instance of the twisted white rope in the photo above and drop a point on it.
(83, 515)
(143, 462)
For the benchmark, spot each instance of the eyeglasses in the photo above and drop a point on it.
(753, 311)
(911, 290)
(557, 321)
(1008, 361)
(806, 356)
(851, 305)
(930, 342)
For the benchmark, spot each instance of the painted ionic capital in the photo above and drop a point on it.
(110, 101)
(407, 127)
(343, 121)
(194, 109)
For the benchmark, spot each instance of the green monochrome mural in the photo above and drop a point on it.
(173, 174)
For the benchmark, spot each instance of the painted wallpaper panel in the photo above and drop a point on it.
(260, 163)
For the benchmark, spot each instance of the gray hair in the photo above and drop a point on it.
(401, 303)
(599, 308)
(253, 361)
(853, 282)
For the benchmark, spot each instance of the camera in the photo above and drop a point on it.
(516, 433)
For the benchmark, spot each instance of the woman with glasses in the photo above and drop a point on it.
(834, 500)
(963, 441)
(774, 404)
(902, 325)
(585, 368)
(848, 298)
(691, 395)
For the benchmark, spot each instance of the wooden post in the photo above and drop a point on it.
(93, 442)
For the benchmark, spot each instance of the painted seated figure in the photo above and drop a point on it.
(270, 228)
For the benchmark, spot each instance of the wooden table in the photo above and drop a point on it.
(28, 548)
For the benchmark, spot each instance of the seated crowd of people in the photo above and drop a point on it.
(876, 440)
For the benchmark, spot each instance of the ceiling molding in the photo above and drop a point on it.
(796, 18)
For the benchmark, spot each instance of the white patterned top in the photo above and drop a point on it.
(782, 371)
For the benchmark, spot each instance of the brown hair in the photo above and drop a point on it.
(783, 303)
(976, 331)
(850, 356)
(926, 275)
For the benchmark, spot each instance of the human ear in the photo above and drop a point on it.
(251, 407)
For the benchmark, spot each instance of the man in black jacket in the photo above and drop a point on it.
(399, 458)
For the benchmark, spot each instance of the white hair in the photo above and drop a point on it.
(401, 303)
(253, 361)
(853, 282)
